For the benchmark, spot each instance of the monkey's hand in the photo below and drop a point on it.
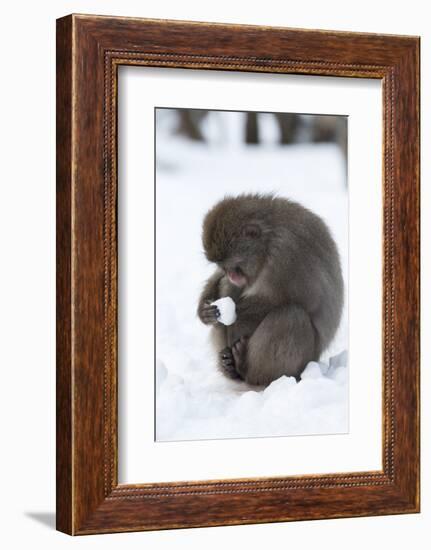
(208, 314)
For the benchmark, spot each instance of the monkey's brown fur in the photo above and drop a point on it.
(280, 265)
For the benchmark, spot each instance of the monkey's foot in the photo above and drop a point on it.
(227, 364)
(239, 352)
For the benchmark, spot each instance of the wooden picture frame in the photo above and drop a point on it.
(89, 51)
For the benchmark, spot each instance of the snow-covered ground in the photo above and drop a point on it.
(194, 400)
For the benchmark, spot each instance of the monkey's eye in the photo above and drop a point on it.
(251, 231)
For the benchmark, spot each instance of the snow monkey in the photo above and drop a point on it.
(278, 262)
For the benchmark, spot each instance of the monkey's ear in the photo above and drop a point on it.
(252, 231)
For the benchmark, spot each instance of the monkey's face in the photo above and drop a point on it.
(235, 237)
(240, 251)
(246, 255)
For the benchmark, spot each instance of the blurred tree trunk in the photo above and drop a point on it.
(190, 122)
(251, 128)
(288, 125)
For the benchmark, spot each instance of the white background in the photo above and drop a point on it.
(141, 458)
(27, 278)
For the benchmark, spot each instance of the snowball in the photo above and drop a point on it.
(227, 309)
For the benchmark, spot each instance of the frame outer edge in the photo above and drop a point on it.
(81, 507)
(407, 269)
(64, 301)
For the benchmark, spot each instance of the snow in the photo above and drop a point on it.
(193, 399)
(227, 309)
(208, 406)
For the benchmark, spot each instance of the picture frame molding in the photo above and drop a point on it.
(89, 51)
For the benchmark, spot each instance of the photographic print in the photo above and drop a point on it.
(251, 249)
